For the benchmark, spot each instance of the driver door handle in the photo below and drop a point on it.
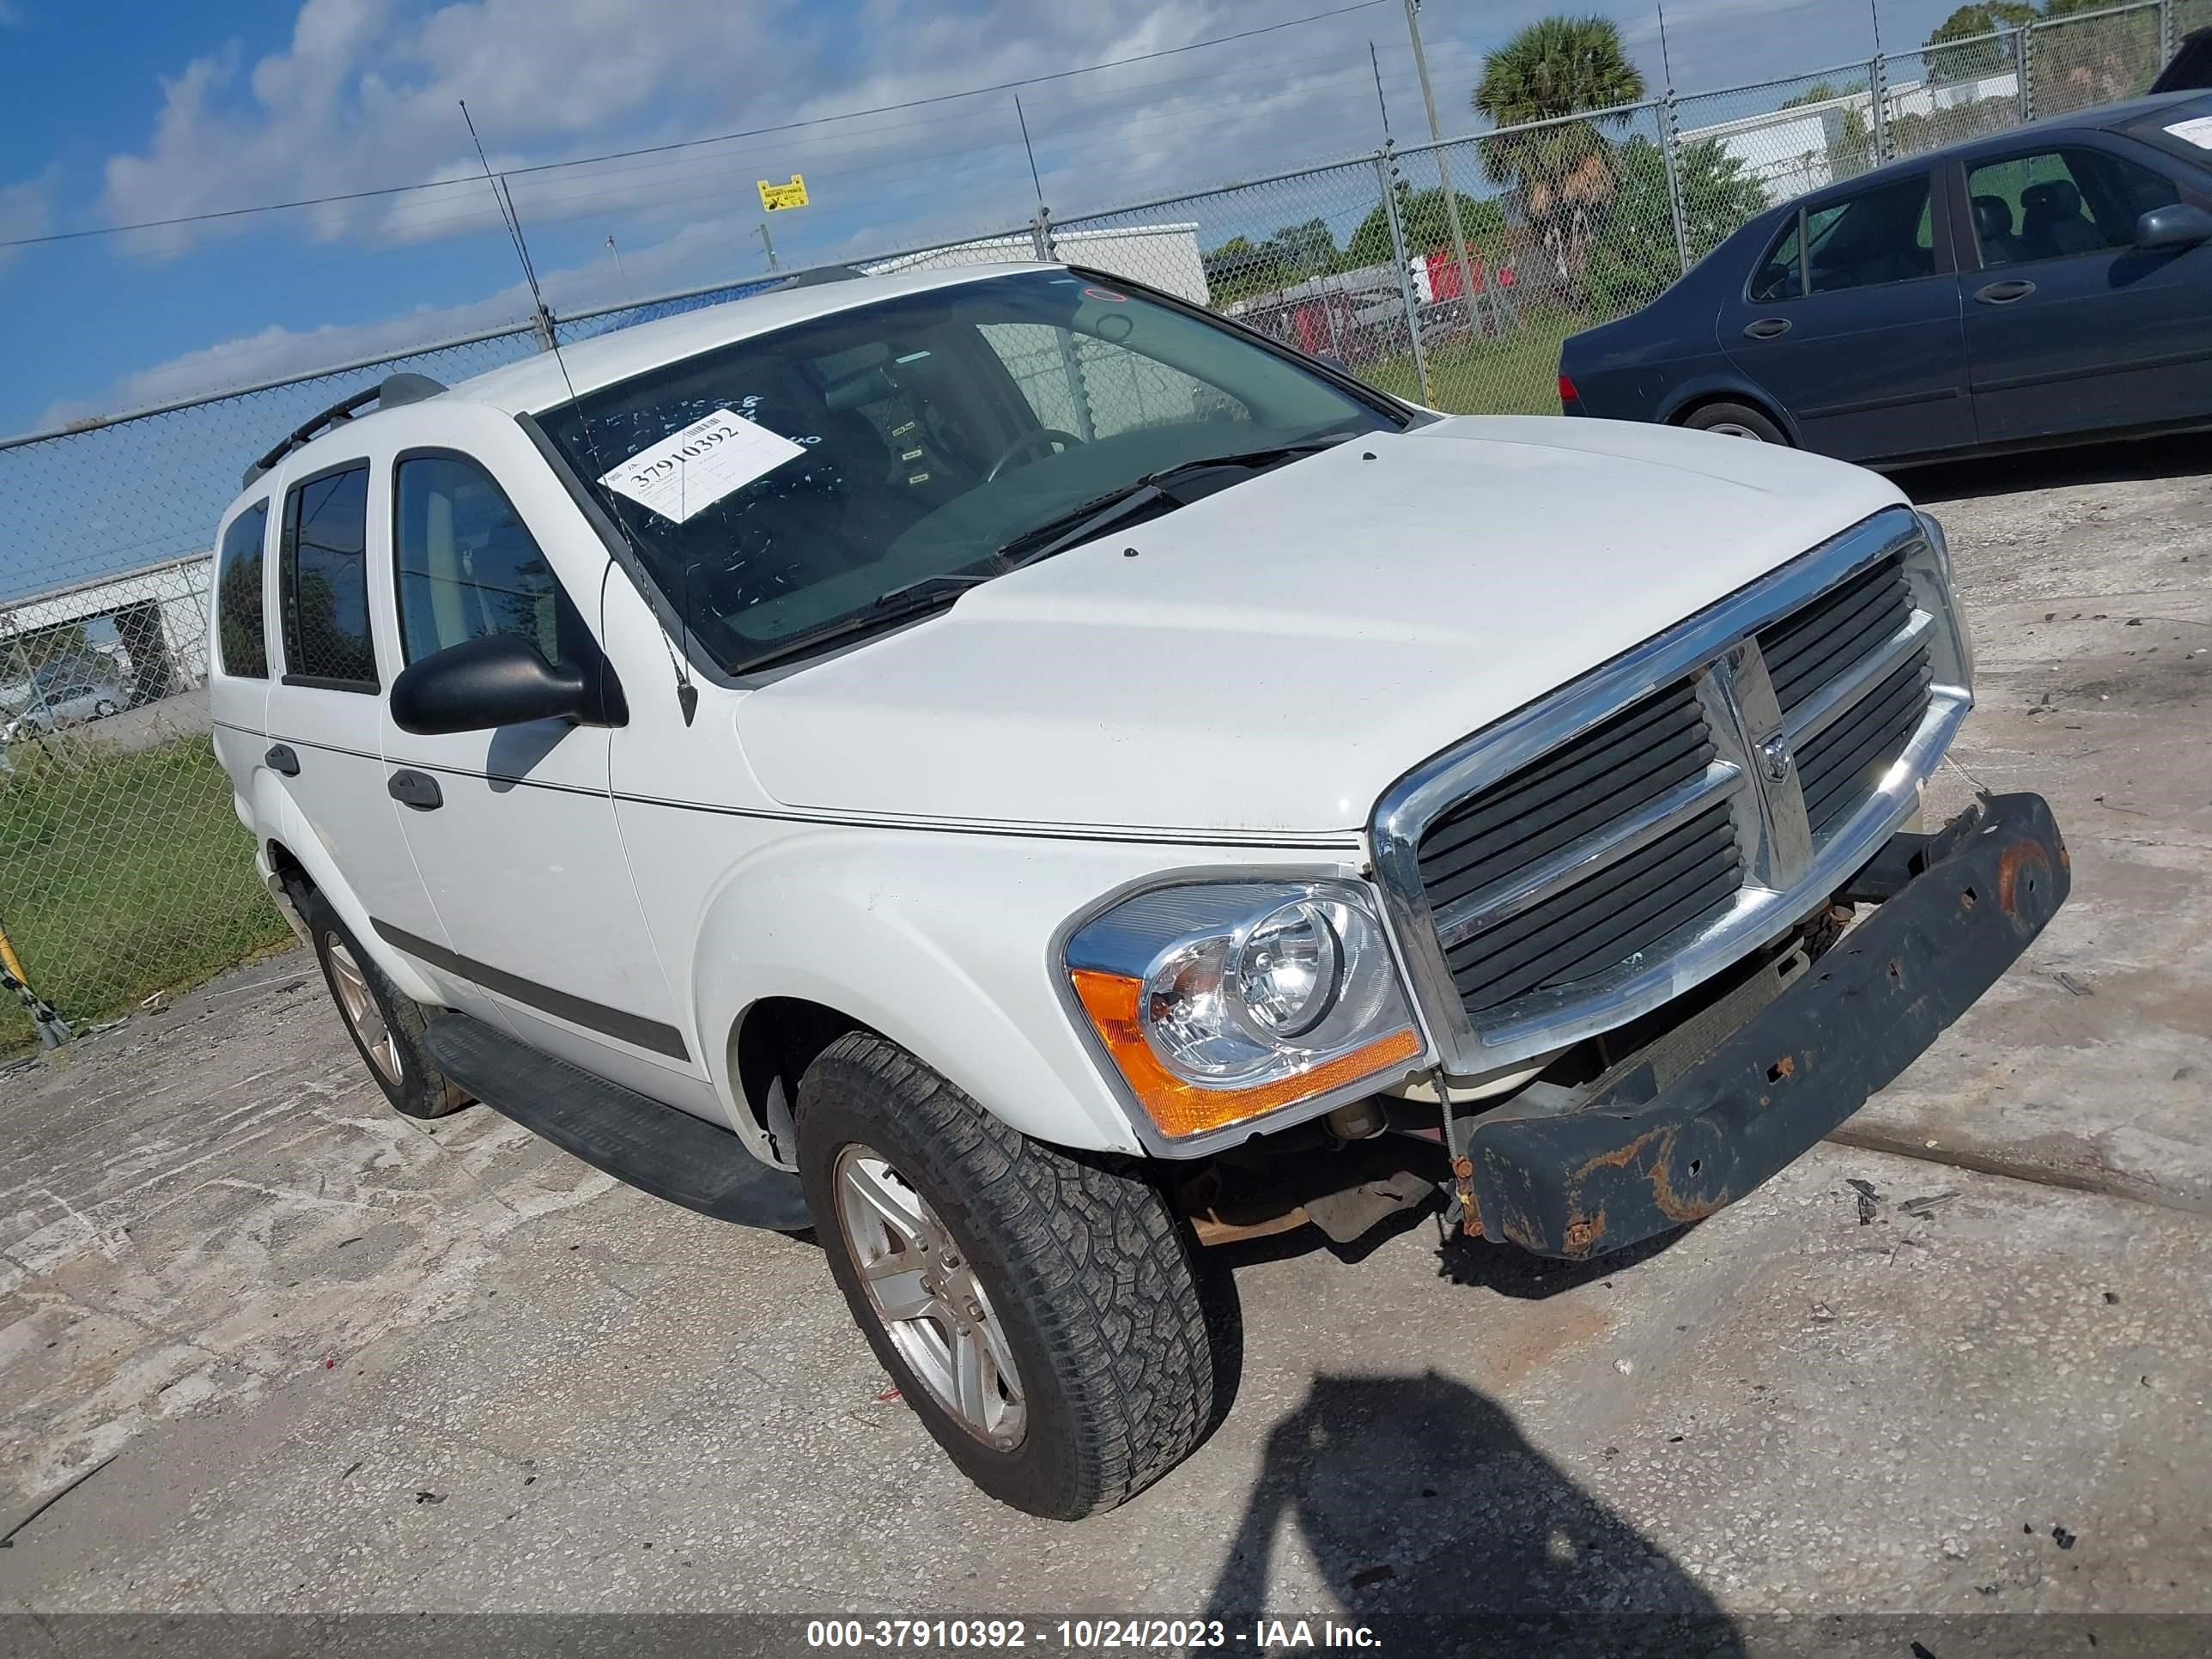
(417, 789)
(1767, 328)
(2004, 293)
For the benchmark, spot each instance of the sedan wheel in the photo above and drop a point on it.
(934, 1308)
(1735, 429)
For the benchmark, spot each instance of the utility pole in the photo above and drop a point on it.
(1443, 166)
(767, 243)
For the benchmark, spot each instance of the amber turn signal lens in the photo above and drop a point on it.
(1179, 1109)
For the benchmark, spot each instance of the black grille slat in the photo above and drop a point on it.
(1513, 846)
(1594, 780)
(1836, 766)
(1812, 646)
(1605, 918)
(1836, 653)
(1596, 756)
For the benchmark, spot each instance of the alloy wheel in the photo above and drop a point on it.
(925, 1292)
(357, 1004)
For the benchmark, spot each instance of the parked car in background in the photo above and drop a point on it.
(2050, 285)
(2190, 70)
(68, 703)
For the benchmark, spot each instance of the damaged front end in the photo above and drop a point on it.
(1667, 1120)
(1659, 1141)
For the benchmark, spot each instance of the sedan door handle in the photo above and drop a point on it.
(1767, 328)
(280, 758)
(2004, 293)
(417, 789)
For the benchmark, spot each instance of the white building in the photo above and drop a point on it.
(151, 622)
(1790, 151)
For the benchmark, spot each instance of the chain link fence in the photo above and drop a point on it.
(1446, 273)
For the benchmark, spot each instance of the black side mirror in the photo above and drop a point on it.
(498, 680)
(2176, 225)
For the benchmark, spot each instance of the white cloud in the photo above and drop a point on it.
(26, 209)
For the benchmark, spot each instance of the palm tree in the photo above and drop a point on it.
(1564, 171)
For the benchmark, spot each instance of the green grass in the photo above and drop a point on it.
(1517, 374)
(123, 874)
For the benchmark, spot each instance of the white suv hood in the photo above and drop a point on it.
(1281, 652)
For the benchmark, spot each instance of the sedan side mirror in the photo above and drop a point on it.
(498, 680)
(2176, 225)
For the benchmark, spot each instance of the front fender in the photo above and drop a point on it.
(941, 942)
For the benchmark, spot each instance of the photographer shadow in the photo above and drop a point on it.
(1434, 1523)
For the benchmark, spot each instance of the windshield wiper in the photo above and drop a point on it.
(1096, 516)
(948, 585)
(916, 599)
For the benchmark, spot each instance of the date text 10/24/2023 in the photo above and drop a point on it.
(1087, 1635)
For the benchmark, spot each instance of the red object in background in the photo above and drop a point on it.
(1568, 396)
(1444, 274)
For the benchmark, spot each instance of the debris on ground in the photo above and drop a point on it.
(429, 1497)
(2061, 1537)
(1926, 1204)
(2071, 983)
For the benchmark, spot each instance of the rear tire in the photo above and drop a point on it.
(387, 1025)
(1736, 420)
(1066, 1274)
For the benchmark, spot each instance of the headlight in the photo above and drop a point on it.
(1222, 1002)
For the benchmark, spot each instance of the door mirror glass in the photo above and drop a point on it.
(497, 679)
(2176, 225)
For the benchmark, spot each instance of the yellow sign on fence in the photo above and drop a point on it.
(783, 196)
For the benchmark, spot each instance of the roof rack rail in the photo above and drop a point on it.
(388, 393)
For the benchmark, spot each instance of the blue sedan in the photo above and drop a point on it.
(2050, 285)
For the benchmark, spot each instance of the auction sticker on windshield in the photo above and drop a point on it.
(2197, 133)
(687, 471)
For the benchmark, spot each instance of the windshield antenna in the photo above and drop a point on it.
(687, 695)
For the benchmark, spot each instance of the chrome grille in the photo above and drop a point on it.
(1519, 840)
(1589, 857)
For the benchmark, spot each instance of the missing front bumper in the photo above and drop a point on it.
(1955, 909)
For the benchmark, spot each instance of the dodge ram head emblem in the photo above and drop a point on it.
(1776, 752)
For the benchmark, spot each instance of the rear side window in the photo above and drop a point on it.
(467, 567)
(242, 640)
(1868, 240)
(324, 582)
(1886, 235)
(1781, 274)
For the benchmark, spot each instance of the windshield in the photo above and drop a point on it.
(851, 457)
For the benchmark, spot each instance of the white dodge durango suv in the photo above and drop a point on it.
(1026, 780)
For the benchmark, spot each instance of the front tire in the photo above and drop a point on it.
(387, 1025)
(1040, 1310)
(1737, 421)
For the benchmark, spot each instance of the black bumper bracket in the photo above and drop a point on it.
(1957, 908)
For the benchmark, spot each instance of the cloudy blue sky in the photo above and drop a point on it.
(115, 112)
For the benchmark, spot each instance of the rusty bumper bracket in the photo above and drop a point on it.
(1959, 908)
